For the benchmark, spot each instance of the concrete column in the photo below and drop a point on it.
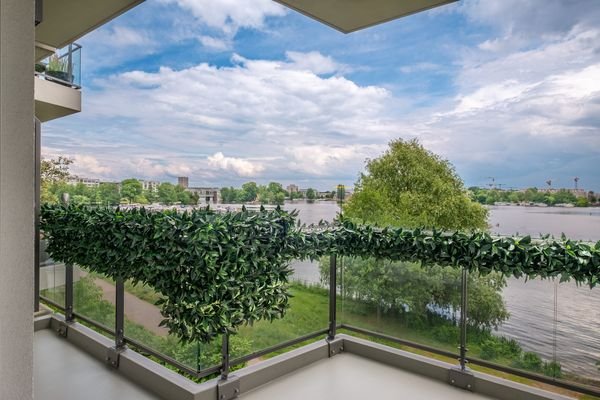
(16, 198)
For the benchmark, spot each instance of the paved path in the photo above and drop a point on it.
(136, 310)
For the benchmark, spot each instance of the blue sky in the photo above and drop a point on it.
(226, 91)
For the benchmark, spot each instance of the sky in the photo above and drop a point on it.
(229, 91)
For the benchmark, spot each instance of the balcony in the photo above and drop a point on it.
(58, 84)
(333, 343)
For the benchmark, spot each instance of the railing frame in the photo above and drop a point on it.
(224, 369)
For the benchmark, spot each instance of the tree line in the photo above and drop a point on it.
(54, 183)
(272, 193)
(532, 195)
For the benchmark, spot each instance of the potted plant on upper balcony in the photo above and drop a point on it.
(59, 68)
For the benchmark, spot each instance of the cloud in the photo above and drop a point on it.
(314, 62)
(526, 115)
(143, 167)
(122, 36)
(230, 15)
(419, 67)
(215, 43)
(241, 167)
(522, 22)
(522, 99)
(322, 160)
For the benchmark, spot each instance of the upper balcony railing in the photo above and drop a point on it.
(63, 67)
(455, 315)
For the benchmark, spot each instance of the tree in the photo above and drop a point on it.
(166, 193)
(130, 189)
(108, 194)
(250, 191)
(412, 187)
(311, 194)
(53, 172)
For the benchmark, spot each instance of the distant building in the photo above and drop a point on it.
(183, 181)
(150, 186)
(89, 182)
(206, 195)
(292, 188)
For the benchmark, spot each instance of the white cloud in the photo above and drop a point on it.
(322, 160)
(230, 15)
(521, 23)
(241, 167)
(122, 36)
(215, 43)
(144, 167)
(314, 62)
(419, 67)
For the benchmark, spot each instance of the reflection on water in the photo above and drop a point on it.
(531, 303)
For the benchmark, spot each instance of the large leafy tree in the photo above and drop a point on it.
(410, 186)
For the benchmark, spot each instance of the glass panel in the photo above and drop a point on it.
(94, 297)
(76, 64)
(308, 313)
(404, 300)
(511, 322)
(577, 334)
(142, 320)
(52, 281)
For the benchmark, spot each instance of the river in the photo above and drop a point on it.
(557, 321)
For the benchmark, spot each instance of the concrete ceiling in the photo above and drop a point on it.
(351, 15)
(65, 21)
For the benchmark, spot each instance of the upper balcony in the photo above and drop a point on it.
(351, 334)
(65, 21)
(58, 84)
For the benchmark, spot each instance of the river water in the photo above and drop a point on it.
(558, 321)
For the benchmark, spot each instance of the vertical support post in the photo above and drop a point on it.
(463, 321)
(225, 357)
(69, 293)
(332, 296)
(119, 313)
(37, 194)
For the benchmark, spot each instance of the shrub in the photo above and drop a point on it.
(446, 334)
(490, 349)
(553, 369)
(530, 361)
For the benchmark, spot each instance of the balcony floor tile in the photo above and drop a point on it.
(63, 372)
(351, 377)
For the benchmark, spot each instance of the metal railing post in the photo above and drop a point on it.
(332, 296)
(463, 321)
(119, 313)
(69, 317)
(225, 357)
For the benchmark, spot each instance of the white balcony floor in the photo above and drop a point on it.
(350, 377)
(63, 372)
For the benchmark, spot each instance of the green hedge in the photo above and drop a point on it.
(219, 271)
(476, 251)
(215, 271)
